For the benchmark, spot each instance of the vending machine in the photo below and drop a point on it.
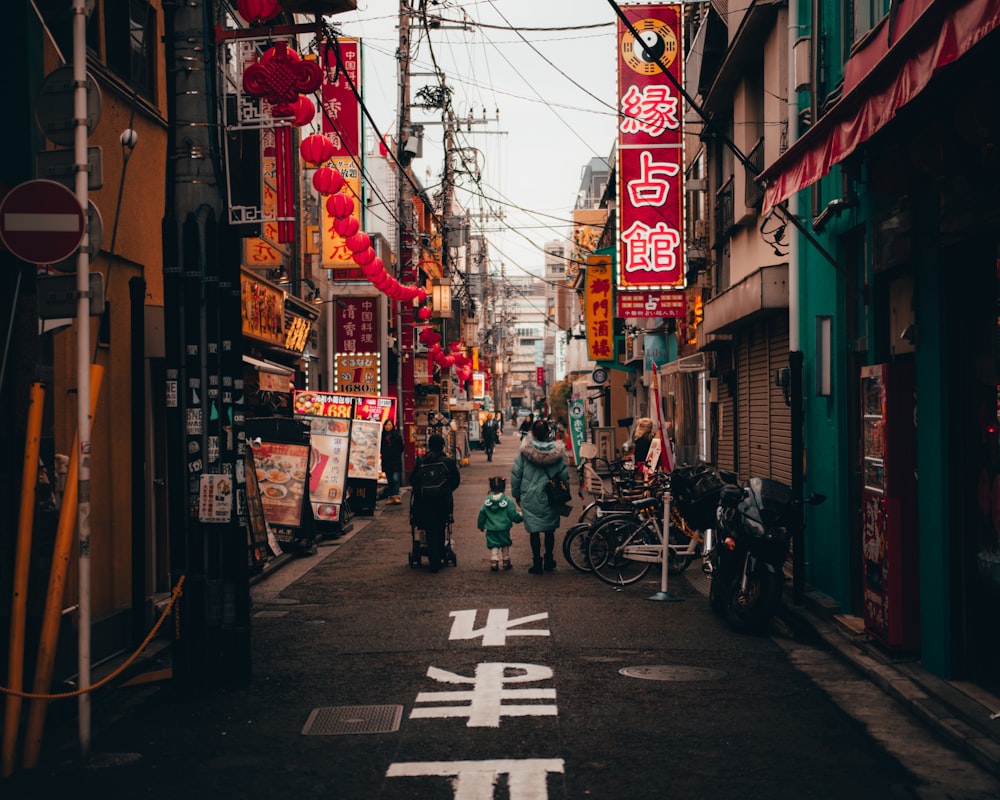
(889, 519)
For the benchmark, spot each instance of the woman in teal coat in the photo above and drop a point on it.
(538, 461)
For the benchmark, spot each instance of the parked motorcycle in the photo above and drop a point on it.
(746, 559)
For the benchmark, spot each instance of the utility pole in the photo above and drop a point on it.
(404, 245)
(204, 370)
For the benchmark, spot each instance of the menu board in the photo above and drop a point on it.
(281, 471)
(366, 441)
(330, 439)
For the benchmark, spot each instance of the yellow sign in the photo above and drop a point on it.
(599, 309)
(261, 252)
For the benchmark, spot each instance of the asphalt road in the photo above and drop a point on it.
(373, 680)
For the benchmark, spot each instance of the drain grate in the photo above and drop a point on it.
(672, 672)
(338, 720)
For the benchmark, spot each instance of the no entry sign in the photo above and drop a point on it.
(41, 222)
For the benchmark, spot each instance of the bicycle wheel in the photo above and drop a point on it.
(575, 546)
(606, 552)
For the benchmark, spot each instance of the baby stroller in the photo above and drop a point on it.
(418, 538)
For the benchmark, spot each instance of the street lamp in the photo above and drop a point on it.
(441, 297)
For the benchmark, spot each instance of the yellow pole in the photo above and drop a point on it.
(22, 560)
(56, 593)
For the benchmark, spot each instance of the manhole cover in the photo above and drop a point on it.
(672, 672)
(337, 720)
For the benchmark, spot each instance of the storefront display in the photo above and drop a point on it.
(330, 441)
(363, 465)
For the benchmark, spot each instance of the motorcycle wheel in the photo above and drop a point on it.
(749, 612)
(676, 564)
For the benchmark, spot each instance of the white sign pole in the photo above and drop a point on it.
(663, 594)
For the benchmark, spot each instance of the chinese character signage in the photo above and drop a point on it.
(339, 107)
(647, 305)
(356, 321)
(650, 149)
(598, 309)
(259, 251)
(540, 376)
(263, 311)
(375, 409)
(357, 373)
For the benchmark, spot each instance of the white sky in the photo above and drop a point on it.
(551, 127)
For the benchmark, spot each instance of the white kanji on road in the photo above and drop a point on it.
(484, 703)
(475, 780)
(498, 626)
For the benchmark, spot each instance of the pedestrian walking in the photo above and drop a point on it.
(434, 479)
(538, 461)
(392, 461)
(496, 517)
(489, 437)
(525, 427)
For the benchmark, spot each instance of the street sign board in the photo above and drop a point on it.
(41, 222)
(57, 296)
(60, 166)
(55, 103)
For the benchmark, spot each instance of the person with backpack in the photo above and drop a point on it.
(434, 478)
(539, 461)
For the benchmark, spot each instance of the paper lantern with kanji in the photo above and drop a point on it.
(256, 12)
(316, 149)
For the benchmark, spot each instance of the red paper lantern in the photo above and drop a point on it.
(327, 180)
(370, 270)
(256, 12)
(315, 149)
(421, 294)
(340, 205)
(359, 241)
(347, 226)
(430, 337)
(365, 256)
(304, 111)
(455, 346)
(424, 313)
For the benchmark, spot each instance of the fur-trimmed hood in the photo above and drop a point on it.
(543, 454)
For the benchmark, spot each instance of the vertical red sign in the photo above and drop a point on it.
(540, 376)
(356, 322)
(339, 106)
(650, 149)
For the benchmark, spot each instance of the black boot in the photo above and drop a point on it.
(550, 562)
(536, 566)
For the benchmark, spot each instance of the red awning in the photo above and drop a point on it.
(902, 55)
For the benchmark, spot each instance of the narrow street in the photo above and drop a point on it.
(375, 680)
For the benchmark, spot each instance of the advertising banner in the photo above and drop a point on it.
(478, 385)
(539, 376)
(598, 309)
(330, 440)
(375, 409)
(258, 251)
(339, 106)
(577, 426)
(281, 475)
(263, 310)
(650, 149)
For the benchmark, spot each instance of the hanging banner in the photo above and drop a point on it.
(598, 308)
(577, 426)
(260, 251)
(650, 149)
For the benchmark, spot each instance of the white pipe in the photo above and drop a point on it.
(82, 366)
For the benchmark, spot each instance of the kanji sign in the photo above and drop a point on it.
(41, 222)
(650, 149)
(357, 373)
(647, 305)
(356, 321)
(598, 308)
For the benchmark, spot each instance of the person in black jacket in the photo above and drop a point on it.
(433, 480)
(392, 461)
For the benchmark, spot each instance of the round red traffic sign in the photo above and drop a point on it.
(41, 222)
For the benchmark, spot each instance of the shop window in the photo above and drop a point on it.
(130, 43)
(864, 16)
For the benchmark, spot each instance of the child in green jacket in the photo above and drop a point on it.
(498, 514)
